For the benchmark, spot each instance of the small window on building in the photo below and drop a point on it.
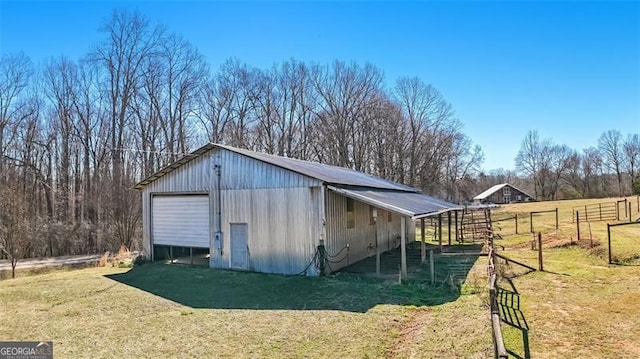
(372, 215)
(518, 198)
(351, 215)
(506, 191)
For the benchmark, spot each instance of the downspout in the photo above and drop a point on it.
(218, 234)
(323, 232)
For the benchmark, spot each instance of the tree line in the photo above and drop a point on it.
(76, 135)
(555, 171)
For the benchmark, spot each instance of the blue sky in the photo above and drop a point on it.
(570, 70)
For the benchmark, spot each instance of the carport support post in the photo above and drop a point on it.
(449, 226)
(431, 267)
(403, 249)
(456, 224)
(440, 230)
(423, 244)
(377, 249)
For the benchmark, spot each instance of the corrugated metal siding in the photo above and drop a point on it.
(361, 238)
(282, 233)
(283, 224)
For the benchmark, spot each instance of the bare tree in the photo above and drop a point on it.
(544, 162)
(60, 87)
(610, 145)
(528, 161)
(130, 41)
(344, 93)
(631, 149)
(15, 72)
(462, 164)
(432, 131)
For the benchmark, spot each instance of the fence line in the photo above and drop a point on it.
(499, 349)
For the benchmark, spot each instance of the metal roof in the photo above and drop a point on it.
(496, 188)
(326, 173)
(414, 205)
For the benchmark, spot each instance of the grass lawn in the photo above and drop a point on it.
(580, 307)
(158, 310)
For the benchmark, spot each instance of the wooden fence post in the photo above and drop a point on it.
(578, 223)
(586, 213)
(600, 208)
(556, 217)
(531, 221)
(625, 208)
(516, 218)
(540, 266)
(629, 211)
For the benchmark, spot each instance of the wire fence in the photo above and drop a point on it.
(625, 241)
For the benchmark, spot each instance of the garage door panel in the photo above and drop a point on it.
(181, 220)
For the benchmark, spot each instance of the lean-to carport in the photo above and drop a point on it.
(409, 205)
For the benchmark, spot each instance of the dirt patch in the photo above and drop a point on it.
(548, 240)
(410, 334)
(587, 244)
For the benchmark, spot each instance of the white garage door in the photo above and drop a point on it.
(180, 220)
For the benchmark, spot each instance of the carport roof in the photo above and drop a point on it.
(410, 204)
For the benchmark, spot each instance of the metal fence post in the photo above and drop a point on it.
(540, 266)
(609, 240)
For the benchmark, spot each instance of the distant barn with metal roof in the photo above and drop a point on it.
(503, 193)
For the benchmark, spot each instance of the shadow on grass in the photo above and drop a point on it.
(510, 314)
(199, 287)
